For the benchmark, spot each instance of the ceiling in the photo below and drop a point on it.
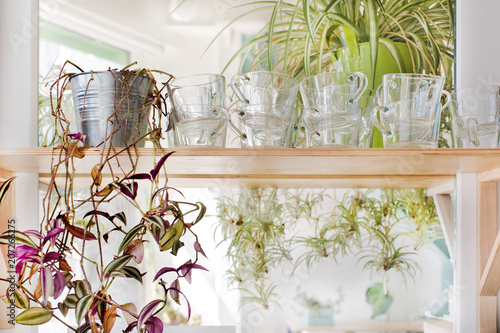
(151, 16)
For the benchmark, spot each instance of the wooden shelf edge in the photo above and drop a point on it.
(368, 168)
(288, 181)
(490, 278)
(441, 326)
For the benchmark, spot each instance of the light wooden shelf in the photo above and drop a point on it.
(200, 167)
(438, 326)
(367, 326)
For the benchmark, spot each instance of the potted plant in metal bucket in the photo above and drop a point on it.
(68, 268)
(113, 104)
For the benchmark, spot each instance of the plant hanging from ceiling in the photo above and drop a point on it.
(266, 229)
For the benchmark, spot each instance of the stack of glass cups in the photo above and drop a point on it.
(475, 116)
(332, 115)
(409, 110)
(198, 116)
(266, 110)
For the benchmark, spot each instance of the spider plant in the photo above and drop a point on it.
(306, 37)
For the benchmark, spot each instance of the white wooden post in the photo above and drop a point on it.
(19, 103)
(466, 254)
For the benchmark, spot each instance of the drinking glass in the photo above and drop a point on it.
(403, 86)
(265, 88)
(193, 98)
(410, 123)
(332, 88)
(201, 125)
(264, 125)
(331, 125)
(475, 113)
(206, 89)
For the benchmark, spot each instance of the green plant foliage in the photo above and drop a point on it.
(376, 37)
(255, 224)
(264, 230)
(302, 37)
(78, 225)
(4, 187)
(379, 300)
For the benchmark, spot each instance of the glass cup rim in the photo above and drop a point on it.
(309, 78)
(216, 77)
(271, 73)
(245, 106)
(413, 76)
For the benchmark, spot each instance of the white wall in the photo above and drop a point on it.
(477, 62)
(477, 49)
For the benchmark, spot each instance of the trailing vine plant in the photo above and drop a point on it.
(72, 228)
(265, 229)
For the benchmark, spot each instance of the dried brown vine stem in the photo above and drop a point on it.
(63, 232)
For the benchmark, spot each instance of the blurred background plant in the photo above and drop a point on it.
(267, 229)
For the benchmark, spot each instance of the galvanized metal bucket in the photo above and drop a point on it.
(111, 107)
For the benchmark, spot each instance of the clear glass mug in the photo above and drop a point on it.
(404, 86)
(331, 125)
(265, 88)
(333, 88)
(409, 123)
(201, 125)
(264, 125)
(207, 89)
(475, 117)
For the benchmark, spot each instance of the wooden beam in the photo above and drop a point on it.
(490, 176)
(6, 215)
(446, 210)
(486, 234)
(444, 188)
(490, 279)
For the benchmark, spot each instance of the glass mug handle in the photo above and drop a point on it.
(306, 124)
(233, 127)
(374, 118)
(472, 131)
(365, 130)
(363, 84)
(448, 99)
(378, 94)
(235, 86)
(216, 132)
(296, 128)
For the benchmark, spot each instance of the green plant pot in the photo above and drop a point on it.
(317, 316)
(386, 64)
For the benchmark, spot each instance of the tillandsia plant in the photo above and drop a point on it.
(68, 267)
(397, 223)
(376, 37)
(383, 228)
(256, 225)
